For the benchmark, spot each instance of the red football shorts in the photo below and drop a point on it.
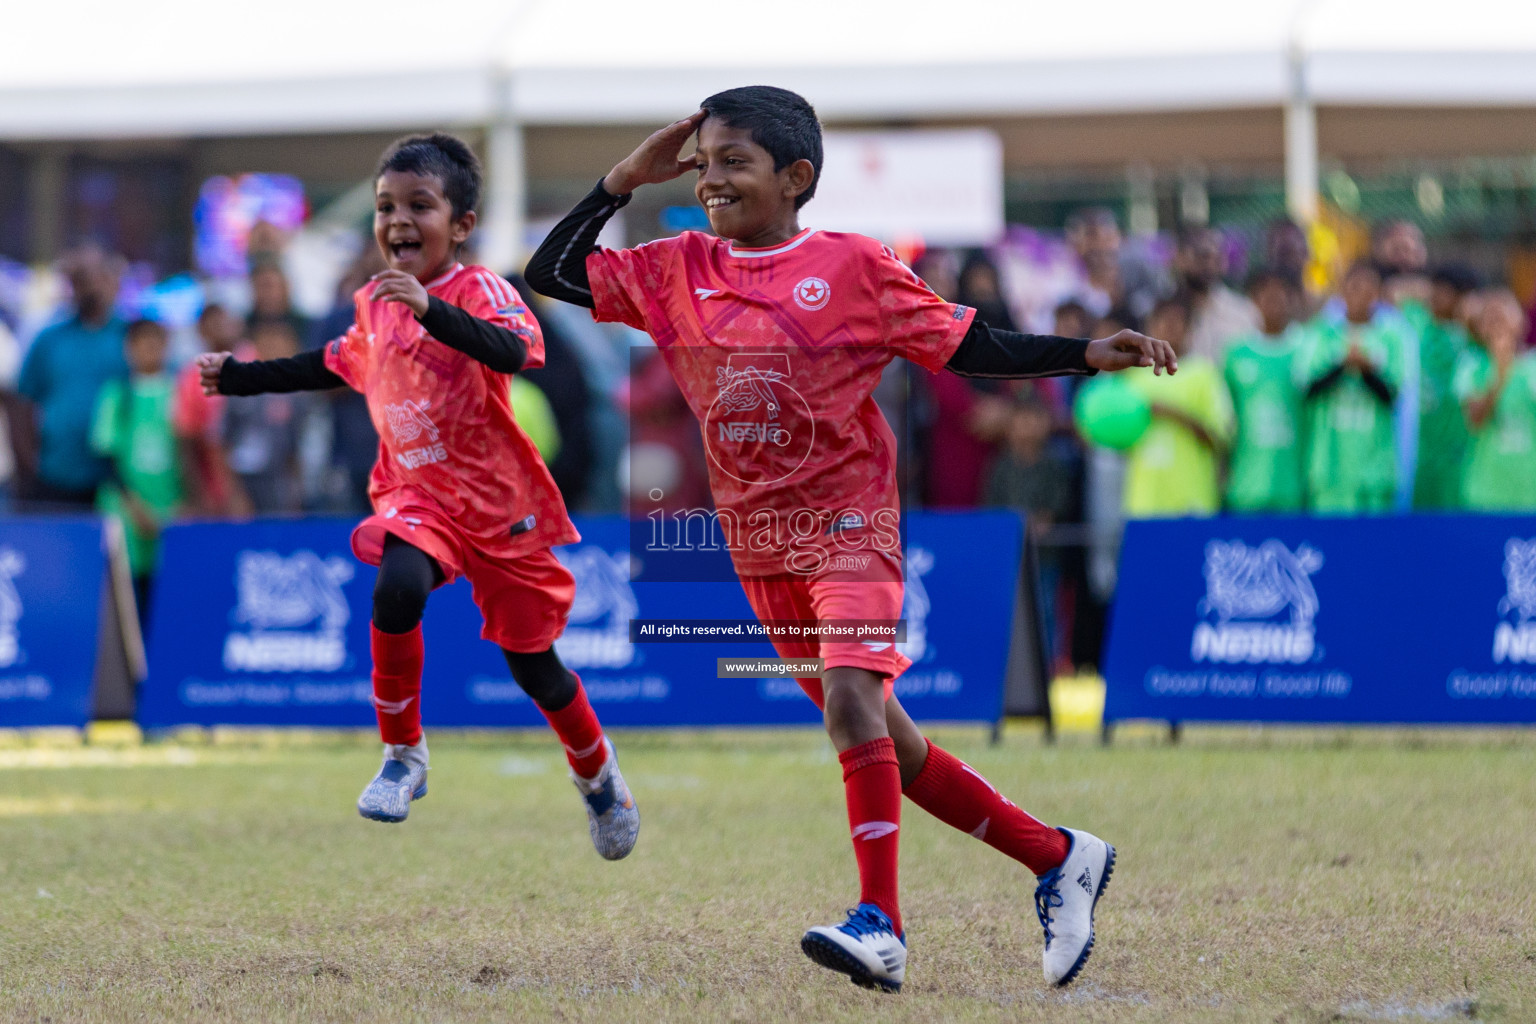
(524, 602)
(874, 593)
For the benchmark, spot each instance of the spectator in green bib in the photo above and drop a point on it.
(1496, 384)
(1175, 468)
(1442, 430)
(1351, 370)
(132, 431)
(1265, 474)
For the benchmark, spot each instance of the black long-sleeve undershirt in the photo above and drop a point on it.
(500, 348)
(559, 265)
(986, 351)
(558, 269)
(304, 372)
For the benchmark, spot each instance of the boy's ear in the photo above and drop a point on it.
(797, 178)
(459, 233)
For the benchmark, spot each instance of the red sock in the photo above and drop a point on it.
(397, 661)
(872, 783)
(578, 728)
(956, 794)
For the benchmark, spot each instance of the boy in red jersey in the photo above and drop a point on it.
(777, 337)
(458, 489)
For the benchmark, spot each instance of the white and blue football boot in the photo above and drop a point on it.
(865, 947)
(612, 817)
(403, 778)
(1064, 900)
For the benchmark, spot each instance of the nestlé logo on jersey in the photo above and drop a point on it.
(293, 611)
(1259, 605)
(1514, 638)
(759, 429)
(12, 564)
(408, 421)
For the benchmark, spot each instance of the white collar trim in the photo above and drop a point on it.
(445, 278)
(752, 254)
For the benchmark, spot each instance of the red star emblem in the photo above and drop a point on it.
(812, 293)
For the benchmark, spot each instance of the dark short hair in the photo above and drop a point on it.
(1123, 315)
(267, 322)
(1177, 301)
(1457, 275)
(445, 157)
(1269, 275)
(780, 121)
(1072, 307)
(1362, 267)
(1192, 235)
(145, 324)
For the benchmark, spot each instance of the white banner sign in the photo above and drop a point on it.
(943, 187)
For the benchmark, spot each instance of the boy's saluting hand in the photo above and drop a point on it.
(398, 286)
(1126, 349)
(656, 160)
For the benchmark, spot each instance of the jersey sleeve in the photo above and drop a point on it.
(1469, 381)
(493, 299)
(1221, 417)
(1317, 358)
(915, 323)
(621, 280)
(346, 356)
(106, 419)
(1393, 368)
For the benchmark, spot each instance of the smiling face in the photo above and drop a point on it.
(746, 199)
(413, 223)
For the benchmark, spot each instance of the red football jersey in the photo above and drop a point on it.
(778, 352)
(447, 439)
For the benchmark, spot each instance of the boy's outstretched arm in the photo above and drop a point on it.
(988, 352)
(222, 374)
(558, 268)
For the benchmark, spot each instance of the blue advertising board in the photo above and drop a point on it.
(51, 577)
(1400, 619)
(266, 623)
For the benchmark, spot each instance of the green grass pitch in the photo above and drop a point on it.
(1302, 876)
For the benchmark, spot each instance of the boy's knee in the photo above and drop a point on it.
(397, 608)
(854, 709)
(546, 681)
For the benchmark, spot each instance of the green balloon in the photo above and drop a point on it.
(1111, 413)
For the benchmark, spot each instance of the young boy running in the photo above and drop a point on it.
(459, 489)
(777, 337)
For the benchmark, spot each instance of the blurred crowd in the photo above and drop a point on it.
(1399, 385)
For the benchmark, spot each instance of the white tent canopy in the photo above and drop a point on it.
(178, 68)
(186, 67)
